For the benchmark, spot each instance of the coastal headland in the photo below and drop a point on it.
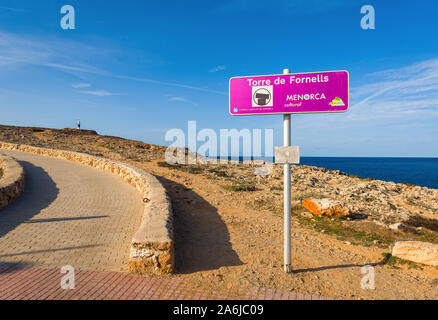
(228, 222)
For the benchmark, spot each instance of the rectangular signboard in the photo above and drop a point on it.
(287, 154)
(290, 93)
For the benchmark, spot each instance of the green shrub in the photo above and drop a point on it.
(276, 188)
(241, 187)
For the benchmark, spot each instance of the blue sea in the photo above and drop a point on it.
(418, 171)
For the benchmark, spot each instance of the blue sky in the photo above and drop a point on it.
(138, 68)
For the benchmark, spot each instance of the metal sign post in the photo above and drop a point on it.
(287, 193)
(286, 94)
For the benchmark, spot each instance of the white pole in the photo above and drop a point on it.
(287, 193)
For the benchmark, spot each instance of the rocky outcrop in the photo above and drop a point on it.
(152, 245)
(84, 141)
(12, 182)
(325, 207)
(416, 251)
(384, 202)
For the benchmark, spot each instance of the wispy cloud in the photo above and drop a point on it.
(218, 68)
(81, 85)
(170, 84)
(66, 56)
(390, 115)
(11, 9)
(394, 93)
(182, 99)
(285, 6)
(103, 93)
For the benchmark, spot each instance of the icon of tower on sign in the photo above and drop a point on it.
(262, 96)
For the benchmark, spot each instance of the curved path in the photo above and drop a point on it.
(69, 214)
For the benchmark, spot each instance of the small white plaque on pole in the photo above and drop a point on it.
(287, 155)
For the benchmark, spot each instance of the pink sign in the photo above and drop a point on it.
(290, 93)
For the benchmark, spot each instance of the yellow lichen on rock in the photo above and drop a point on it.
(325, 207)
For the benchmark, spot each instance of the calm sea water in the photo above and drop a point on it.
(418, 171)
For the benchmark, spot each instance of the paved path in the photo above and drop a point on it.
(45, 284)
(69, 214)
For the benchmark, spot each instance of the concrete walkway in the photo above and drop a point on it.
(69, 214)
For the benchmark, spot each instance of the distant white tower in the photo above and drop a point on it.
(78, 124)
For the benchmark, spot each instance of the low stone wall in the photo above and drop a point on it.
(152, 246)
(12, 182)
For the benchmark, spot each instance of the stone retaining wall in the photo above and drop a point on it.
(12, 182)
(152, 246)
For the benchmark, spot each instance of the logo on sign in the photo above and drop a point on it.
(337, 102)
(262, 96)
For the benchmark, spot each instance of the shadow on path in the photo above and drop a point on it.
(63, 219)
(40, 191)
(7, 267)
(202, 240)
(342, 266)
(49, 250)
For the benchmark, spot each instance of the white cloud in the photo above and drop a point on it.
(171, 84)
(394, 113)
(398, 107)
(11, 9)
(218, 68)
(103, 93)
(177, 99)
(64, 55)
(67, 56)
(182, 99)
(81, 85)
(395, 93)
(286, 6)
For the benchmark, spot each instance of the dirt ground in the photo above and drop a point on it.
(221, 244)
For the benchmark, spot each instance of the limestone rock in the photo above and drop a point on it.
(395, 226)
(416, 251)
(325, 207)
(12, 182)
